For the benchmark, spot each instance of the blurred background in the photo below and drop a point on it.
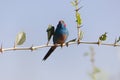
(68, 63)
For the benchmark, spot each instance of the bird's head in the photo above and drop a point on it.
(62, 23)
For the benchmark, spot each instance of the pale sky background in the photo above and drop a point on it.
(33, 17)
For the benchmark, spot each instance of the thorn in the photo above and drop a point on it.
(79, 8)
(99, 42)
(61, 45)
(31, 48)
(47, 43)
(78, 27)
(78, 42)
(67, 44)
(115, 43)
(14, 45)
(1, 49)
(81, 26)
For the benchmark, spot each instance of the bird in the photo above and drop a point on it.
(59, 37)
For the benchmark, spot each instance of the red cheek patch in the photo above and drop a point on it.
(65, 25)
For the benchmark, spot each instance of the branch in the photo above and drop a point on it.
(32, 48)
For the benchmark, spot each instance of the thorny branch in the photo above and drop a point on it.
(32, 48)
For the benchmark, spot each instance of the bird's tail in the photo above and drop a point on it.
(49, 52)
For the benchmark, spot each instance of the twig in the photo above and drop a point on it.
(78, 24)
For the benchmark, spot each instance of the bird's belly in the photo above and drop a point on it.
(61, 39)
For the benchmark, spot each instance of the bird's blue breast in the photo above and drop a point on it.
(60, 35)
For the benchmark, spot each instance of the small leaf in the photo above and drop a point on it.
(78, 19)
(86, 54)
(20, 38)
(92, 76)
(50, 32)
(73, 3)
(76, 1)
(81, 35)
(118, 40)
(103, 37)
(96, 70)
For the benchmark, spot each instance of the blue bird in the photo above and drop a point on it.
(59, 37)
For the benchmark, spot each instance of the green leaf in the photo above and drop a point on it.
(73, 3)
(50, 32)
(76, 1)
(81, 35)
(92, 76)
(103, 75)
(118, 40)
(103, 37)
(96, 70)
(86, 54)
(78, 19)
(20, 38)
